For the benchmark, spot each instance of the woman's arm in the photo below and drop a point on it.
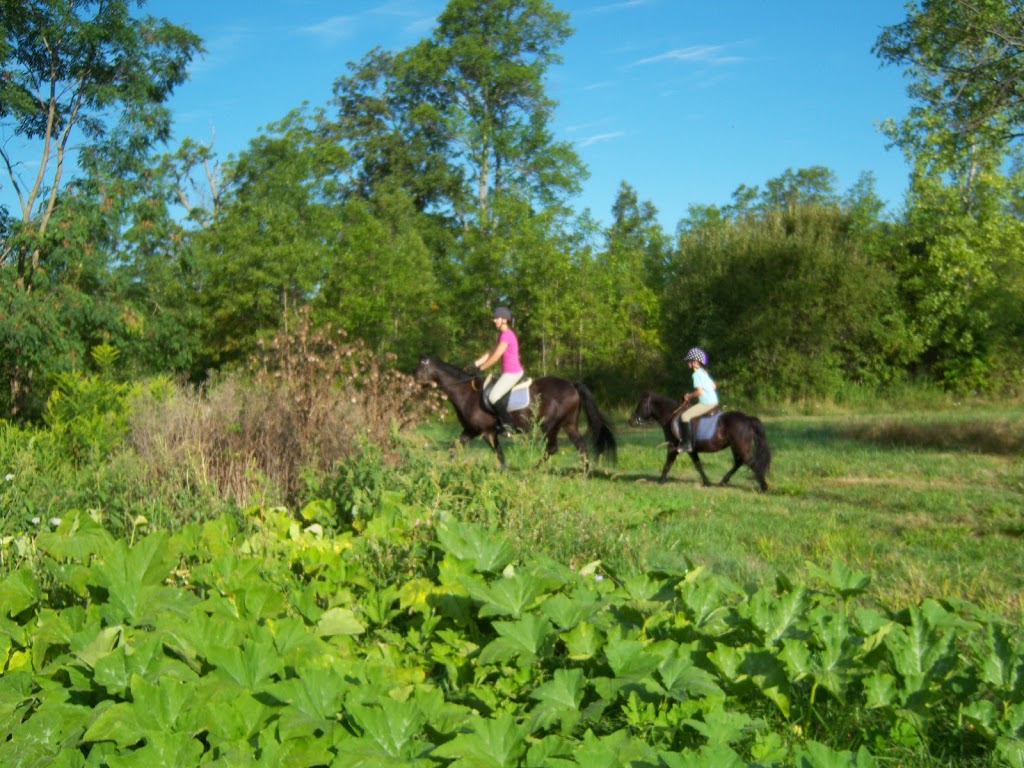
(490, 358)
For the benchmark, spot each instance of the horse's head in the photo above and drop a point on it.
(426, 372)
(642, 412)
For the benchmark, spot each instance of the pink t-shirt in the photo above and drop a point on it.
(510, 358)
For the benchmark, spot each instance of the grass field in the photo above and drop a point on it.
(929, 504)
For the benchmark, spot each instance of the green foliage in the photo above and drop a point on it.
(271, 640)
(790, 303)
(271, 245)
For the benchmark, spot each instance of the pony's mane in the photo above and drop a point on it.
(448, 368)
(664, 400)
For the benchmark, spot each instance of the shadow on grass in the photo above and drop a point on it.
(1001, 438)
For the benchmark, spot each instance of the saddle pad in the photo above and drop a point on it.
(706, 426)
(519, 398)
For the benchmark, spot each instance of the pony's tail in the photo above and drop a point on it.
(600, 434)
(762, 456)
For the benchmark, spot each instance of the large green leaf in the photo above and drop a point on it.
(117, 723)
(818, 755)
(524, 638)
(20, 590)
(630, 658)
(718, 755)
(920, 653)
(145, 657)
(133, 580)
(584, 641)
(559, 699)
(841, 578)
(339, 621)
(159, 704)
(251, 665)
(315, 691)
(683, 680)
(391, 735)
(1001, 666)
(498, 743)
(776, 615)
(227, 715)
(505, 596)
(162, 749)
(78, 538)
(489, 551)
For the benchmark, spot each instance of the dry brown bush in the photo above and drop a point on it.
(306, 402)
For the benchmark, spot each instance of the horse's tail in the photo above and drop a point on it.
(600, 434)
(761, 458)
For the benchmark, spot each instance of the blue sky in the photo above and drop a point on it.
(685, 100)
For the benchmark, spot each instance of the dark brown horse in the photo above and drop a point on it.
(742, 433)
(555, 403)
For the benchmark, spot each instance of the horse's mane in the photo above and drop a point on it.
(663, 400)
(448, 367)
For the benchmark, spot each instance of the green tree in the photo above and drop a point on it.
(965, 63)
(81, 104)
(270, 249)
(960, 265)
(380, 285)
(493, 56)
(461, 123)
(624, 318)
(790, 303)
(395, 130)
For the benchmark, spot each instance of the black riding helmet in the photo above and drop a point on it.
(503, 312)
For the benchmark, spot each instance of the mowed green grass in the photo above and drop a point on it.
(930, 504)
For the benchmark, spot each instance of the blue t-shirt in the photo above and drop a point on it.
(708, 395)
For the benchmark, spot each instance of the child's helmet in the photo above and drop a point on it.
(503, 312)
(697, 354)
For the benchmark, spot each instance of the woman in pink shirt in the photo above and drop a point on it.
(506, 350)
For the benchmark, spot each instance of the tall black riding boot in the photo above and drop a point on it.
(505, 426)
(683, 433)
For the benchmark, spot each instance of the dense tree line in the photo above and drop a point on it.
(431, 187)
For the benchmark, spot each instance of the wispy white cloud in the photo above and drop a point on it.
(599, 138)
(620, 6)
(334, 28)
(588, 126)
(703, 54)
(600, 86)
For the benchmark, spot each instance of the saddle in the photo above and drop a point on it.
(517, 398)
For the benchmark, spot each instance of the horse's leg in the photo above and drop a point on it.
(700, 467)
(728, 475)
(581, 445)
(670, 459)
(495, 443)
(738, 460)
(464, 438)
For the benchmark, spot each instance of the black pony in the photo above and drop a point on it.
(742, 433)
(555, 403)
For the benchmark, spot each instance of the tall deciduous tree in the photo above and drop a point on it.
(624, 321)
(68, 66)
(82, 98)
(269, 251)
(461, 123)
(964, 61)
(493, 56)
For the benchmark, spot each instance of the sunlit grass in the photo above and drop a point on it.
(930, 504)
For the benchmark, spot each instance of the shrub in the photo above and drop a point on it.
(263, 435)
